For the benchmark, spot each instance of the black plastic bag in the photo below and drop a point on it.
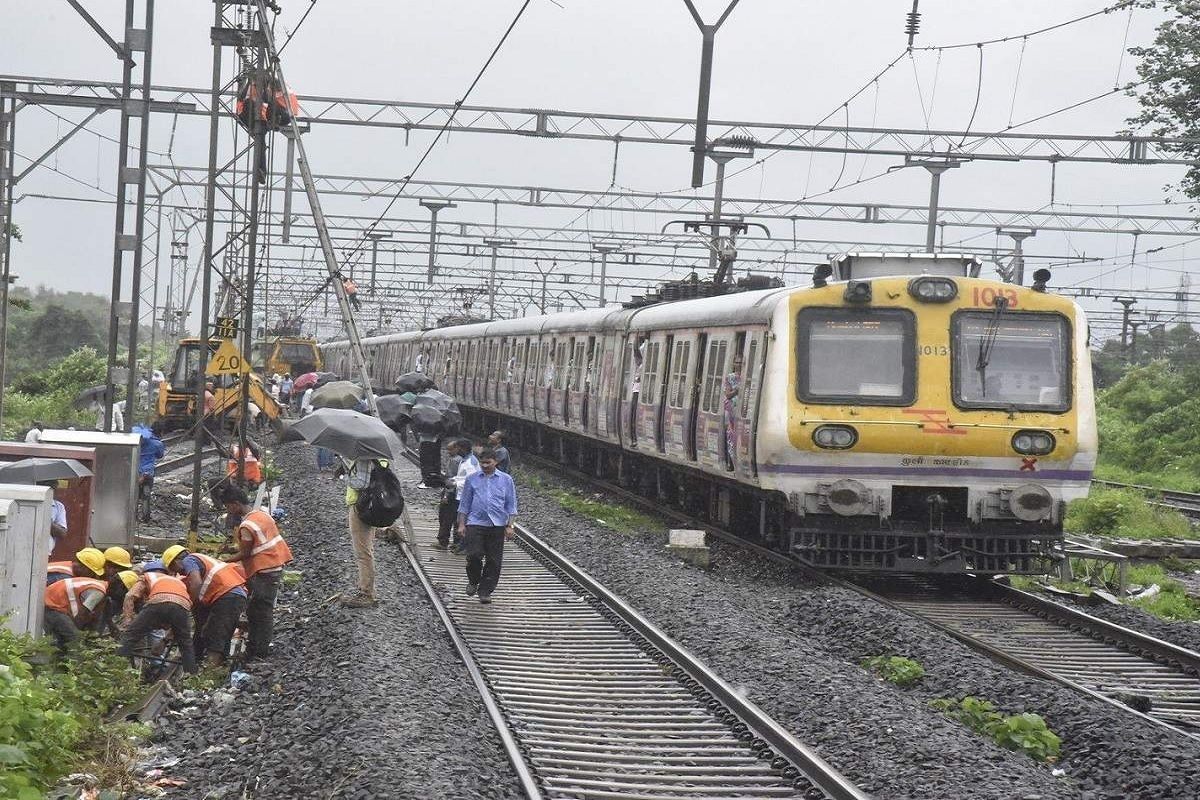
(381, 503)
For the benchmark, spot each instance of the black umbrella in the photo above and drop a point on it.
(432, 397)
(326, 377)
(36, 470)
(414, 382)
(393, 410)
(348, 433)
(93, 395)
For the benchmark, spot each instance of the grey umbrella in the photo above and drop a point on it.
(338, 394)
(89, 396)
(348, 433)
(35, 470)
(393, 410)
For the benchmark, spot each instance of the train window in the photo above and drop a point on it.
(748, 379)
(865, 357)
(649, 389)
(561, 362)
(577, 365)
(714, 375)
(677, 389)
(1011, 360)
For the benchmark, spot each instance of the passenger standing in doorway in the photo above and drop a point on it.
(635, 387)
(732, 389)
(486, 512)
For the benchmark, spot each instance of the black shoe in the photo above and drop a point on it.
(485, 598)
(472, 589)
(441, 545)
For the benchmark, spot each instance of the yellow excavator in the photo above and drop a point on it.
(288, 355)
(176, 406)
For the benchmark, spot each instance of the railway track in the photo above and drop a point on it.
(169, 464)
(1186, 503)
(1141, 675)
(593, 701)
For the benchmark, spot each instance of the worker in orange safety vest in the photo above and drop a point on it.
(87, 563)
(165, 604)
(253, 473)
(218, 593)
(262, 552)
(71, 606)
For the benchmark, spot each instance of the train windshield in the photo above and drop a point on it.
(1005, 359)
(864, 357)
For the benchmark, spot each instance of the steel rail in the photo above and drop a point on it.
(1186, 503)
(1090, 628)
(529, 784)
(605, 703)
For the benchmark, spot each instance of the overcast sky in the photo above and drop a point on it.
(792, 61)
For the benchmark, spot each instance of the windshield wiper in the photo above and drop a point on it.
(988, 342)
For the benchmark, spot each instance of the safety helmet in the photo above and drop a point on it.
(128, 577)
(91, 558)
(118, 556)
(172, 553)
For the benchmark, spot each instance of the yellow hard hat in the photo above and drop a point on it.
(128, 577)
(172, 553)
(118, 556)
(91, 558)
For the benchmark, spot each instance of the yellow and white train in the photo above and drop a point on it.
(901, 414)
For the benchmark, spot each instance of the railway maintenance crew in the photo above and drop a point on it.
(262, 553)
(165, 604)
(486, 512)
(87, 563)
(71, 606)
(150, 451)
(218, 593)
(461, 466)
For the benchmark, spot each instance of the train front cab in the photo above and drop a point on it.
(936, 423)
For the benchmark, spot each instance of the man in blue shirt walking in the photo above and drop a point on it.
(487, 507)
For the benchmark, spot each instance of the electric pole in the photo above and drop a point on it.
(434, 207)
(491, 290)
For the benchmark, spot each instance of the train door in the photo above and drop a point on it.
(575, 383)
(677, 416)
(648, 396)
(591, 388)
(747, 403)
(710, 446)
(660, 427)
(558, 391)
(695, 389)
(606, 389)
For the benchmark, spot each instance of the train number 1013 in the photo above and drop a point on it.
(986, 296)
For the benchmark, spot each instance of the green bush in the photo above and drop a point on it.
(52, 714)
(895, 669)
(1124, 513)
(1026, 733)
(47, 395)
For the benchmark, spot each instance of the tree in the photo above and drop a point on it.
(1170, 88)
(58, 331)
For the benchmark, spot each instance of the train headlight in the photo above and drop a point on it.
(857, 292)
(1030, 502)
(835, 437)
(933, 290)
(848, 498)
(1033, 443)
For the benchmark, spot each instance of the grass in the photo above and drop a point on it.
(611, 515)
(1175, 479)
(1124, 514)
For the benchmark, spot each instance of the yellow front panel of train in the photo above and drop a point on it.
(916, 377)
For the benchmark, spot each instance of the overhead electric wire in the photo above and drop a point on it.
(296, 29)
(1039, 31)
(442, 131)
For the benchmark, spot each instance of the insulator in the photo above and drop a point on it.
(912, 25)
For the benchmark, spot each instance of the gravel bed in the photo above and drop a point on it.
(353, 704)
(1184, 634)
(794, 647)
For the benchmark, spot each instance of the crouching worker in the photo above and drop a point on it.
(218, 593)
(262, 552)
(87, 563)
(72, 605)
(165, 605)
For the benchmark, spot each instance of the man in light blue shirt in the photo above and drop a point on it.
(58, 516)
(487, 506)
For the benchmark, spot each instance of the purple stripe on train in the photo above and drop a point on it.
(959, 472)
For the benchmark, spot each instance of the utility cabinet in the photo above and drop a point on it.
(24, 551)
(114, 484)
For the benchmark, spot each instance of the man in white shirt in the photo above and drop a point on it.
(35, 433)
(306, 402)
(58, 516)
(118, 417)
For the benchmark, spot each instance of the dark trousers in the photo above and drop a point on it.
(145, 488)
(215, 624)
(163, 616)
(448, 519)
(484, 546)
(61, 627)
(260, 611)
